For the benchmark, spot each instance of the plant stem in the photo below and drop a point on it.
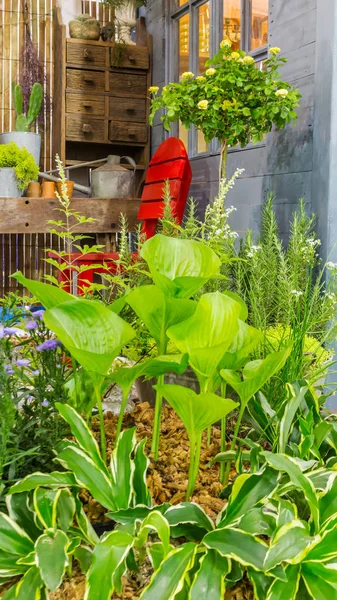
(209, 435)
(191, 471)
(223, 163)
(223, 434)
(235, 436)
(101, 420)
(157, 420)
(196, 460)
(121, 415)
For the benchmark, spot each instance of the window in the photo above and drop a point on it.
(197, 27)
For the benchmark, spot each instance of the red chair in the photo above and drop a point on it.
(170, 162)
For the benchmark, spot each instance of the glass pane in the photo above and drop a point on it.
(259, 24)
(183, 135)
(183, 43)
(204, 36)
(202, 145)
(232, 22)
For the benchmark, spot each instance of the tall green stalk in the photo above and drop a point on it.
(223, 434)
(235, 437)
(101, 418)
(157, 419)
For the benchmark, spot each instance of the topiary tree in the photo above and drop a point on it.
(232, 101)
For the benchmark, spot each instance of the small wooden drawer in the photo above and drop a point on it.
(128, 132)
(85, 80)
(85, 54)
(128, 109)
(85, 129)
(122, 83)
(85, 104)
(132, 57)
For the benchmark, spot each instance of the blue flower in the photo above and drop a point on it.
(48, 345)
(9, 331)
(9, 370)
(45, 403)
(36, 373)
(38, 314)
(31, 325)
(23, 362)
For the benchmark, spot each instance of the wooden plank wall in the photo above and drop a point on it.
(97, 10)
(12, 31)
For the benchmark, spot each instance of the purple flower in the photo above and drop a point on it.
(9, 370)
(36, 373)
(31, 325)
(23, 362)
(38, 314)
(9, 331)
(48, 345)
(45, 403)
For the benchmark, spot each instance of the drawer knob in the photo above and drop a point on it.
(86, 105)
(87, 128)
(129, 84)
(131, 133)
(88, 79)
(132, 58)
(87, 54)
(130, 110)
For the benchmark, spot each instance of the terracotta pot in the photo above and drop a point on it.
(34, 190)
(48, 189)
(69, 186)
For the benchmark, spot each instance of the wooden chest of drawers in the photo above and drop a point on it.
(101, 98)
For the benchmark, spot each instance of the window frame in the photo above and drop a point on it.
(216, 35)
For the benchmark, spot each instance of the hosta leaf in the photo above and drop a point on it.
(84, 557)
(256, 374)
(44, 502)
(158, 311)
(122, 468)
(48, 295)
(106, 558)
(56, 479)
(253, 490)
(286, 590)
(248, 550)
(290, 544)
(282, 462)
(209, 333)
(132, 514)
(157, 522)
(91, 333)
(316, 583)
(51, 558)
(188, 520)
(156, 554)
(179, 267)
(209, 579)
(246, 339)
(82, 433)
(328, 502)
(257, 522)
(66, 508)
(326, 548)
(30, 587)
(141, 462)
(86, 529)
(261, 583)
(20, 511)
(88, 475)
(287, 512)
(9, 567)
(291, 408)
(13, 539)
(169, 579)
(197, 411)
(243, 315)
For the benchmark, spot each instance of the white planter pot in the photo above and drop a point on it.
(126, 19)
(9, 183)
(24, 139)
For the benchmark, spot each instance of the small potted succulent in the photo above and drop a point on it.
(17, 169)
(22, 137)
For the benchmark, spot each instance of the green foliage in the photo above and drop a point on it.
(232, 101)
(21, 161)
(24, 122)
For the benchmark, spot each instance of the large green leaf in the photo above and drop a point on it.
(141, 462)
(88, 475)
(286, 422)
(20, 511)
(13, 539)
(282, 462)
(253, 490)
(158, 311)
(317, 581)
(82, 434)
(45, 502)
(197, 411)
(209, 333)
(285, 590)
(155, 521)
(245, 341)
(261, 583)
(208, 582)
(48, 295)
(52, 559)
(9, 566)
(328, 502)
(179, 267)
(30, 586)
(255, 374)
(106, 558)
(326, 548)
(66, 508)
(188, 520)
(169, 579)
(132, 514)
(290, 544)
(248, 550)
(91, 333)
(56, 479)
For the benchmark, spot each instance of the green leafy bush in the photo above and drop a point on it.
(21, 161)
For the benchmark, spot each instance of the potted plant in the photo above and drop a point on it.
(17, 169)
(22, 137)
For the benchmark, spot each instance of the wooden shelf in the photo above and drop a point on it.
(70, 163)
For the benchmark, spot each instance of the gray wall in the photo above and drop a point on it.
(284, 163)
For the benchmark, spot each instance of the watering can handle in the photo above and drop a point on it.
(131, 162)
